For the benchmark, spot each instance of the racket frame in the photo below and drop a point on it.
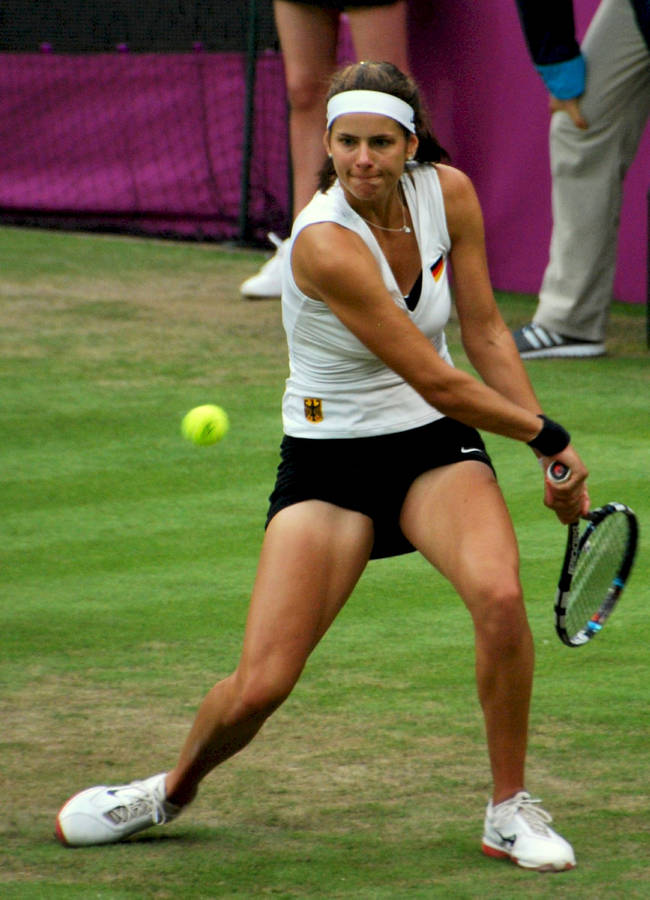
(558, 473)
(575, 544)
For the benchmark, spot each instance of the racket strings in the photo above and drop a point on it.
(598, 567)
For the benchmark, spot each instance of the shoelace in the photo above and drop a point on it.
(528, 809)
(147, 803)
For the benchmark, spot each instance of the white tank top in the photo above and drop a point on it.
(336, 387)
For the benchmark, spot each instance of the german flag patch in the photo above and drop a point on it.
(438, 268)
(313, 409)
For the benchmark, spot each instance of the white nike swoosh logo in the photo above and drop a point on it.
(470, 450)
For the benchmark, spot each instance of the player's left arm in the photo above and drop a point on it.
(486, 338)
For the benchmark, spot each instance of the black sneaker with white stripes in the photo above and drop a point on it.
(536, 342)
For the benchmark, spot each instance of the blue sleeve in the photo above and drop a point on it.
(549, 31)
(565, 80)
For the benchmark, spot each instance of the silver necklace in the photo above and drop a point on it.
(405, 229)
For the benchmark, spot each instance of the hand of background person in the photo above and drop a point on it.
(571, 107)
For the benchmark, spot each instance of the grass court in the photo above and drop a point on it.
(126, 561)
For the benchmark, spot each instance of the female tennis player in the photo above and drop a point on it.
(381, 456)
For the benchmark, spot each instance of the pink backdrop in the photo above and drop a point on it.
(153, 142)
(489, 109)
(148, 142)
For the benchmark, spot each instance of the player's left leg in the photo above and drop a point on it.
(457, 518)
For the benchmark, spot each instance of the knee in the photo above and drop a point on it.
(305, 93)
(500, 618)
(258, 695)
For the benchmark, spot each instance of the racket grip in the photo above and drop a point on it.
(557, 472)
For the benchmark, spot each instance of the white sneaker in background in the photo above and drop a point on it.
(268, 281)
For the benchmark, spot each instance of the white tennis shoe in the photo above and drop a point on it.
(519, 829)
(105, 815)
(267, 283)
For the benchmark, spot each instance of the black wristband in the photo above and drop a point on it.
(552, 439)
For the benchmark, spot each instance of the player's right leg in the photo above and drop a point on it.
(312, 556)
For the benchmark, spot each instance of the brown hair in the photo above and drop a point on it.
(385, 77)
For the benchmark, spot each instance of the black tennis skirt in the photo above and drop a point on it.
(371, 475)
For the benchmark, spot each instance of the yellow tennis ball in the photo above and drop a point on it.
(205, 425)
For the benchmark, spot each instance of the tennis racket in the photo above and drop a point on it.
(596, 566)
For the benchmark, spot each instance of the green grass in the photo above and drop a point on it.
(127, 559)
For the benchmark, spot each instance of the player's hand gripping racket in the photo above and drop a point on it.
(595, 568)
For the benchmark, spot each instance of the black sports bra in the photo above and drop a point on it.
(413, 295)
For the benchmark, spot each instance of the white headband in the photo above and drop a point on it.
(376, 102)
